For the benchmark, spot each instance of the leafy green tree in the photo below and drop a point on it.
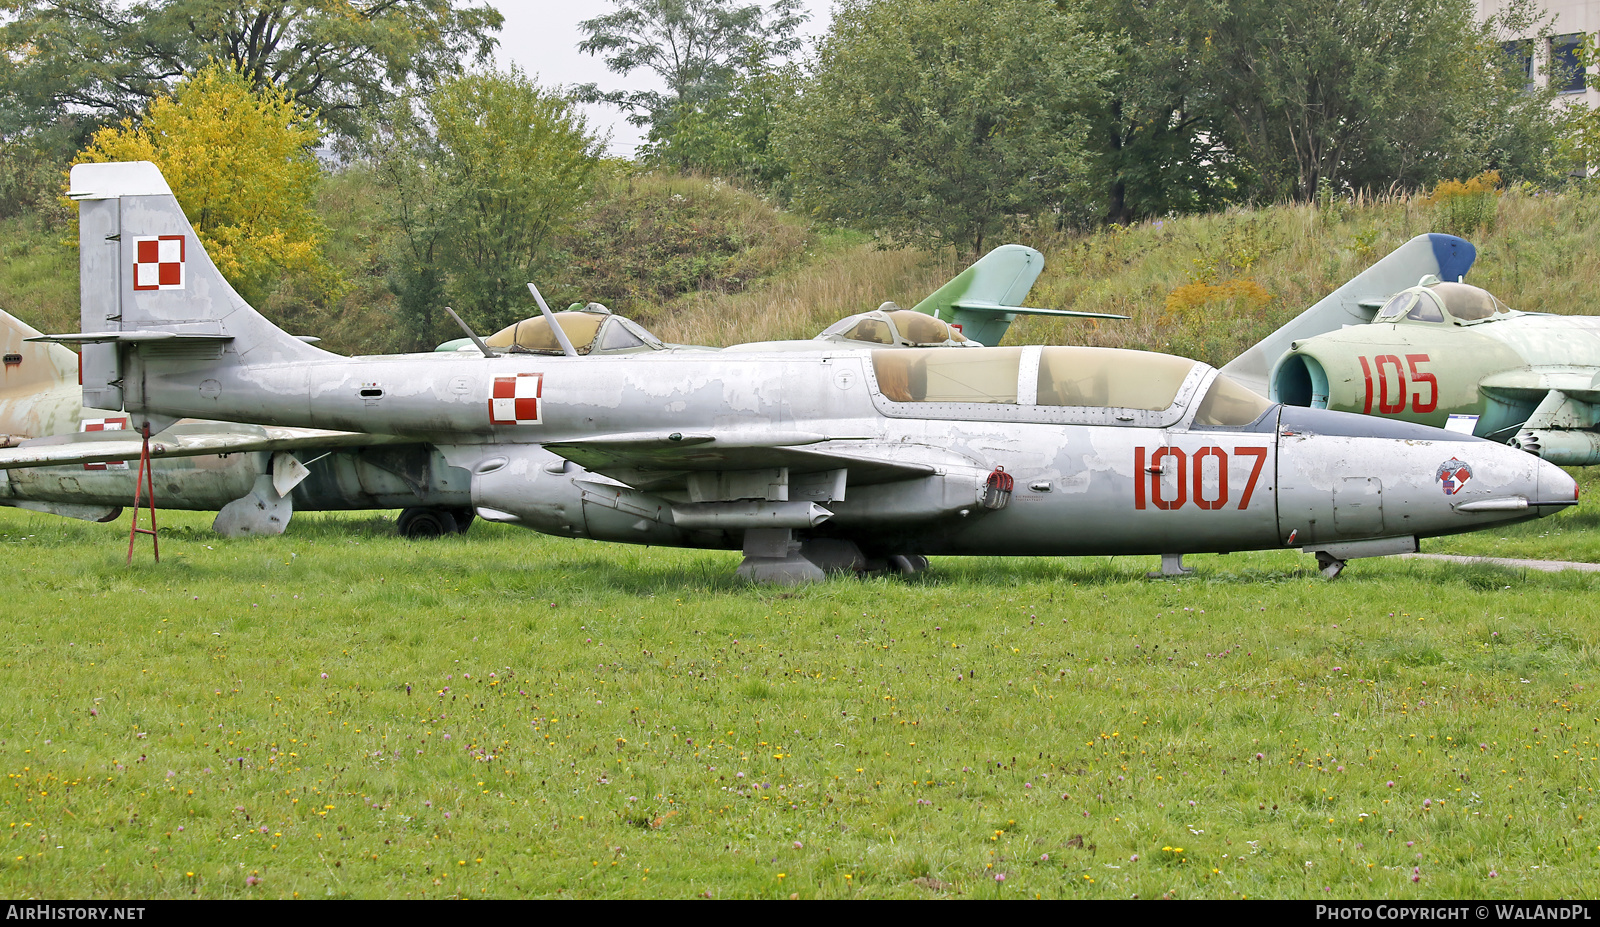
(109, 58)
(943, 119)
(484, 173)
(239, 161)
(713, 56)
(1158, 137)
(731, 136)
(1370, 93)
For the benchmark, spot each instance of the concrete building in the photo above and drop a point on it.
(1573, 20)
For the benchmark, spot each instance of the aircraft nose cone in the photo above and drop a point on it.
(1556, 489)
(1346, 476)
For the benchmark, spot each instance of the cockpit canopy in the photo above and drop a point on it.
(891, 326)
(593, 329)
(1433, 301)
(1075, 377)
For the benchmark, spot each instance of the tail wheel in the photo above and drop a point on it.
(427, 523)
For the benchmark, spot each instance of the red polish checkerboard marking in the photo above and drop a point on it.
(104, 424)
(158, 262)
(515, 400)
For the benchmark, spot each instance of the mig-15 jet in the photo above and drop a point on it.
(1442, 352)
(836, 458)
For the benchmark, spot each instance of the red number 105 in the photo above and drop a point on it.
(1391, 388)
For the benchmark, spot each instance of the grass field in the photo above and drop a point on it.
(337, 712)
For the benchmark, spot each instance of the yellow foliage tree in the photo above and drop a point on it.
(240, 162)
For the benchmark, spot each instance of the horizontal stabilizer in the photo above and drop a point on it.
(975, 306)
(186, 439)
(131, 337)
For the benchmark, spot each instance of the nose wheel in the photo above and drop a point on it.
(1330, 565)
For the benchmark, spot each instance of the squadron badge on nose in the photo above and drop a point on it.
(1453, 474)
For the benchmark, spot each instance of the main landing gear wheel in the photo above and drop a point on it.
(908, 564)
(427, 523)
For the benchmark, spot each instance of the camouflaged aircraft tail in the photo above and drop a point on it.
(147, 285)
(1444, 256)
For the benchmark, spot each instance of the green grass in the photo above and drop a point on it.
(508, 715)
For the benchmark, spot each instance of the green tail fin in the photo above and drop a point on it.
(983, 300)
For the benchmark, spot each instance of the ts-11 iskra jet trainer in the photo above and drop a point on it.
(834, 458)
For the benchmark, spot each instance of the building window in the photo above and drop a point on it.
(1566, 72)
(1521, 54)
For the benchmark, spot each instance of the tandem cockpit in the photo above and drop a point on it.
(592, 329)
(1069, 385)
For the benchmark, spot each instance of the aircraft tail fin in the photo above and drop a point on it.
(145, 278)
(1445, 256)
(39, 385)
(983, 300)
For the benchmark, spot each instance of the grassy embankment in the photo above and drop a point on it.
(340, 712)
(1200, 286)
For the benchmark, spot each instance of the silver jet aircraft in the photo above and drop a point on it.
(256, 486)
(804, 461)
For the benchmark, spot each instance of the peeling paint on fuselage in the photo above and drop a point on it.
(1199, 490)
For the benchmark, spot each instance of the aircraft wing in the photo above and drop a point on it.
(1531, 383)
(656, 461)
(185, 439)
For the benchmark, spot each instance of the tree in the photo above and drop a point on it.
(1368, 93)
(484, 173)
(239, 162)
(700, 49)
(1159, 136)
(109, 58)
(943, 119)
(731, 136)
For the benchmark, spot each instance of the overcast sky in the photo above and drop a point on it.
(541, 37)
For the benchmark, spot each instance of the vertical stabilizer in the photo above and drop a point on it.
(1445, 256)
(143, 272)
(38, 386)
(983, 300)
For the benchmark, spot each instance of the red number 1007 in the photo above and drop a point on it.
(1148, 488)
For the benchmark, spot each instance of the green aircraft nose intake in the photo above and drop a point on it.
(1300, 381)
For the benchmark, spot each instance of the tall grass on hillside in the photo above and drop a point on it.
(644, 239)
(1531, 253)
(1202, 286)
(39, 272)
(843, 276)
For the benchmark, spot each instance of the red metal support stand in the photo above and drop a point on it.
(146, 476)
